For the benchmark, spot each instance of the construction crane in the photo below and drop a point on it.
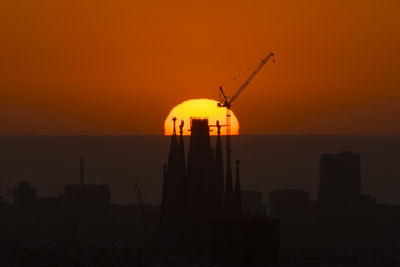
(227, 101)
(145, 214)
(145, 229)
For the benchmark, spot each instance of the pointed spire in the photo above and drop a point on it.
(181, 127)
(165, 170)
(173, 184)
(172, 159)
(181, 145)
(172, 172)
(219, 169)
(237, 195)
(218, 128)
(164, 186)
(174, 120)
(229, 179)
(164, 193)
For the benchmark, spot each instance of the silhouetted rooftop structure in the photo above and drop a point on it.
(249, 242)
(193, 191)
(87, 196)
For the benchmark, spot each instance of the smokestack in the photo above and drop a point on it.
(82, 170)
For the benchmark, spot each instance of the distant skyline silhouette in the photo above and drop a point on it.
(199, 133)
(204, 214)
(281, 162)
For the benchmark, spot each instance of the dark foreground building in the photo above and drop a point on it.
(343, 227)
(24, 195)
(287, 203)
(84, 197)
(193, 190)
(340, 181)
(252, 203)
(244, 242)
(202, 211)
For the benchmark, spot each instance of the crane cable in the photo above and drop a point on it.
(238, 76)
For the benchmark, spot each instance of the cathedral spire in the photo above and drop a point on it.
(229, 180)
(171, 174)
(219, 169)
(173, 188)
(164, 194)
(237, 195)
(164, 182)
(181, 148)
(174, 120)
(181, 127)
(172, 159)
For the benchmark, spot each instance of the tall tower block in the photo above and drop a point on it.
(339, 186)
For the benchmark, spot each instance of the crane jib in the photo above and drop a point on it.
(228, 103)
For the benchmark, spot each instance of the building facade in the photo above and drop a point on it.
(340, 181)
(194, 189)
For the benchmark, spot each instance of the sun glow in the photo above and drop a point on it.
(199, 108)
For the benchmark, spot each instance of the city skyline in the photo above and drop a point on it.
(181, 133)
(205, 216)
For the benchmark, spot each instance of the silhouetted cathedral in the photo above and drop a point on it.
(193, 191)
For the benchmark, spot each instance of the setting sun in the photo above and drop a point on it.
(199, 108)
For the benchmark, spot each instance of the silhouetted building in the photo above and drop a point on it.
(219, 174)
(228, 197)
(175, 192)
(339, 186)
(200, 173)
(24, 195)
(288, 203)
(87, 196)
(193, 191)
(237, 194)
(244, 242)
(367, 202)
(50, 203)
(252, 203)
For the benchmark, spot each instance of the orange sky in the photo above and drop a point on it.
(118, 67)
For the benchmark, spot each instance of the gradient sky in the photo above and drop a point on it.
(119, 67)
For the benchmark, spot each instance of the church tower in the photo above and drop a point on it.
(228, 201)
(219, 173)
(200, 168)
(193, 189)
(172, 205)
